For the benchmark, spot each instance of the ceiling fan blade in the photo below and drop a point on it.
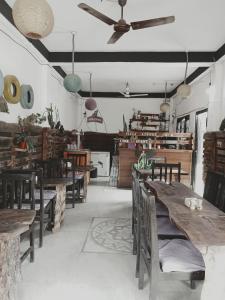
(138, 95)
(152, 22)
(114, 38)
(96, 14)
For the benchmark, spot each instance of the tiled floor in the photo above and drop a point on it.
(71, 266)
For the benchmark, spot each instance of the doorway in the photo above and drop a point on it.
(200, 129)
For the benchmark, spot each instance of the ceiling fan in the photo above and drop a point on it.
(127, 93)
(121, 27)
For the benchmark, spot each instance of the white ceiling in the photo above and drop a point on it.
(199, 26)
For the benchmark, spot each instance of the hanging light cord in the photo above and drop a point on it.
(91, 85)
(166, 92)
(186, 69)
(73, 51)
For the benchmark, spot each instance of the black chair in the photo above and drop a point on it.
(69, 171)
(20, 192)
(165, 260)
(214, 190)
(166, 172)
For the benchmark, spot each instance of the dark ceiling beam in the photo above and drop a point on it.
(220, 52)
(117, 95)
(162, 57)
(60, 71)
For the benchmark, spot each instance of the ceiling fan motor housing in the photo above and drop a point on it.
(121, 26)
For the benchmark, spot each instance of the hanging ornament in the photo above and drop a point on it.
(164, 107)
(72, 82)
(184, 90)
(94, 118)
(33, 18)
(90, 103)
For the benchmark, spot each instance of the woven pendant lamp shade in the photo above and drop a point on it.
(72, 83)
(33, 18)
(184, 90)
(164, 107)
(90, 104)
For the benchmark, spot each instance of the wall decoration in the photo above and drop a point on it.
(27, 96)
(72, 82)
(3, 105)
(94, 118)
(33, 18)
(12, 89)
(1, 83)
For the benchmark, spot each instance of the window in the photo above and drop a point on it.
(183, 124)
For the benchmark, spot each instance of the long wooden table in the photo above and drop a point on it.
(205, 228)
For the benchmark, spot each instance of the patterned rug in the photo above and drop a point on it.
(108, 235)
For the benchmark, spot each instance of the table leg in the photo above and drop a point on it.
(60, 206)
(214, 287)
(10, 267)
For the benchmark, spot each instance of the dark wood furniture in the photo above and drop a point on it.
(82, 164)
(214, 152)
(149, 122)
(204, 228)
(166, 172)
(214, 190)
(19, 192)
(167, 261)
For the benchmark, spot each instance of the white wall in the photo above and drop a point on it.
(112, 110)
(203, 96)
(30, 68)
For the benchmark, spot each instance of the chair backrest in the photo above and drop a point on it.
(214, 190)
(149, 237)
(167, 172)
(136, 193)
(52, 168)
(18, 188)
(68, 168)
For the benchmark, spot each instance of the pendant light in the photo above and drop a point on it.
(90, 103)
(184, 90)
(72, 82)
(33, 18)
(164, 107)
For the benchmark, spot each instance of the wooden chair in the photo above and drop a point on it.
(166, 229)
(166, 261)
(80, 163)
(19, 192)
(69, 171)
(166, 172)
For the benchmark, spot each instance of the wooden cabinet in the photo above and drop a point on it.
(126, 159)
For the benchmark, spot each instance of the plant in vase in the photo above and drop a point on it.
(23, 140)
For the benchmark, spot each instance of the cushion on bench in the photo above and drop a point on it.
(180, 256)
